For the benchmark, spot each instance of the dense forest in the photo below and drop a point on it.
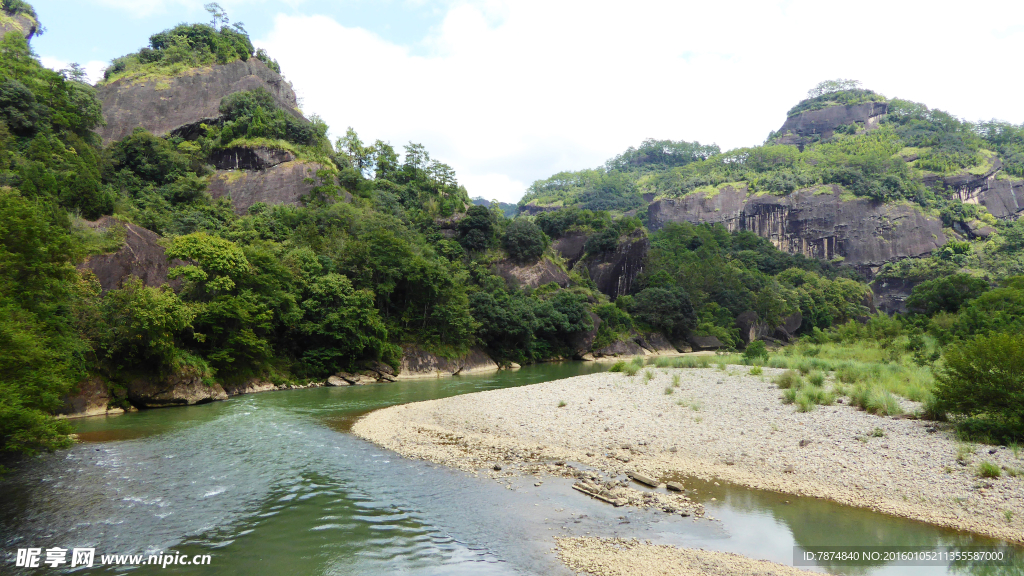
(388, 250)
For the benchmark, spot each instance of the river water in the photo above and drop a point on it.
(273, 484)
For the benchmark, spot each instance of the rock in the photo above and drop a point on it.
(705, 342)
(675, 486)
(570, 247)
(616, 272)
(788, 469)
(588, 357)
(178, 105)
(497, 467)
(513, 366)
(817, 222)
(621, 348)
(534, 275)
(642, 479)
(90, 397)
(280, 184)
(245, 158)
(251, 386)
(180, 389)
(418, 363)
(655, 342)
(730, 461)
(21, 23)
(805, 127)
(805, 442)
(337, 381)
(141, 256)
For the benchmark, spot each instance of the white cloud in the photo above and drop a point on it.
(514, 91)
(93, 68)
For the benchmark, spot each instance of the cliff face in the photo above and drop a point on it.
(616, 272)
(140, 256)
(799, 129)
(20, 23)
(532, 275)
(815, 222)
(181, 103)
(280, 184)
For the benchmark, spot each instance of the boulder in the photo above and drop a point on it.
(819, 222)
(655, 343)
(418, 363)
(751, 328)
(284, 183)
(250, 386)
(570, 247)
(337, 381)
(621, 348)
(705, 343)
(539, 273)
(181, 389)
(90, 397)
(179, 104)
(141, 255)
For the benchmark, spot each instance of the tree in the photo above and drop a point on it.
(982, 385)
(524, 241)
(144, 326)
(830, 86)
(476, 230)
(946, 294)
(217, 14)
(665, 309)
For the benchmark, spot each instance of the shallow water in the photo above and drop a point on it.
(272, 483)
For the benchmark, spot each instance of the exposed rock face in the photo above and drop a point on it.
(281, 184)
(1002, 197)
(242, 158)
(20, 23)
(815, 222)
(140, 256)
(89, 398)
(890, 295)
(621, 348)
(799, 129)
(183, 389)
(181, 103)
(533, 275)
(616, 272)
(751, 328)
(655, 343)
(418, 363)
(571, 247)
(705, 342)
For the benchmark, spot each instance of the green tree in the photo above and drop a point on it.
(946, 294)
(524, 241)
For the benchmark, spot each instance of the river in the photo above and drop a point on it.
(273, 483)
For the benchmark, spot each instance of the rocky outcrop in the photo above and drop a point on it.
(705, 342)
(533, 275)
(21, 23)
(1003, 197)
(571, 247)
(182, 389)
(418, 363)
(90, 397)
(616, 272)
(752, 328)
(821, 124)
(281, 184)
(890, 294)
(179, 104)
(655, 343)
(244, 158)
(816, 222)
(250, 386)
(621, 348)
(140, 255)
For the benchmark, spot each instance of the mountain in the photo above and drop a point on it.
(509, 210)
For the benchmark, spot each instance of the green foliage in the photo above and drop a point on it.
(946, 294)
(989, 470)
(788, 379)
(837, 92)
(981, 383)
(660, 154)
(183, 47)
(524, 241)
(755, 351)
(143, 327)
(254, 114)
(667, 310)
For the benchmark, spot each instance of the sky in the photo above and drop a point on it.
(512, 91)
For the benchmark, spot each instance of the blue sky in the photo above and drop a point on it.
(511, 91)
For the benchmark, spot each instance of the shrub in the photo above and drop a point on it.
(755, 351)
(982, 384)
(524, 241)
(630, 369)
(789, 379)
(756, 371)
(668, 390)
(619, 366)
(816, 378)
(989, 470)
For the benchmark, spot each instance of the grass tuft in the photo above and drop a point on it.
(989, 470)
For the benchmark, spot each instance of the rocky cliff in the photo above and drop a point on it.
(418, 363)
(802, 128)
(21, 23)
(819, 222)
(283, 183)
(141, 255)
(179, 104)
(539, 273)
(616, 272)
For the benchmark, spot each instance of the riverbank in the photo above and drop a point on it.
(619, 557)
(726, 425)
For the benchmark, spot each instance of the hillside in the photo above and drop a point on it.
(181, 232)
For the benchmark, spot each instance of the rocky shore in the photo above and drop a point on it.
(726, 425)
